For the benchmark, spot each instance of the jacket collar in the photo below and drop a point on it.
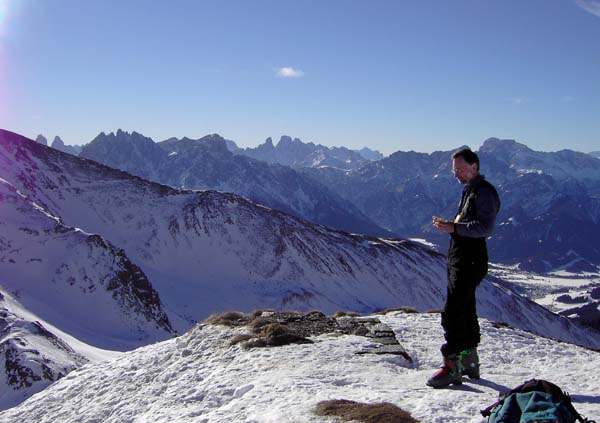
(475, 182)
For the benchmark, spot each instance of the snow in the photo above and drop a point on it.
(93, 354)
(198, 377)
(426, 243)
(544, 289)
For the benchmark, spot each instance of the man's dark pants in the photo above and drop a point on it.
(459, 317)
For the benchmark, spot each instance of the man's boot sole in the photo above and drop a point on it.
(452, 382)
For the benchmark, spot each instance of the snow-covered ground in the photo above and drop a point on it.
(549, 289)
(199, 378)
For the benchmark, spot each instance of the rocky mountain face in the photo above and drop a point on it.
(550, 201)
(207, 163)
(59, 144)
(371, 155)
(40, 139)
(108, 257)
(295, 153)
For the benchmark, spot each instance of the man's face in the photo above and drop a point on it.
(463, 171)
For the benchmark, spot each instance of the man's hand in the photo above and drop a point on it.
(442, 225)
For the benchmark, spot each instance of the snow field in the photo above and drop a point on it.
(199, 378)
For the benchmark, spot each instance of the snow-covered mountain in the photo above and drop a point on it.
(200, 377)
(550, 215)
(206, 251)
(295, 153)
(208, 164)
(107, 257)
(595, 154)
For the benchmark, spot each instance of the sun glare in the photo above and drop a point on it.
(7, 9)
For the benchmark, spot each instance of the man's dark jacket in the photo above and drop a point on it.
(474, 222)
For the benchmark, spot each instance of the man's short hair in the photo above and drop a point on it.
(468, 156)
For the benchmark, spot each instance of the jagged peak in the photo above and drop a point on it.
(40, 139)
(57, 142)
(121, 135)
(285, 139)
(493, 144)
(212, 137)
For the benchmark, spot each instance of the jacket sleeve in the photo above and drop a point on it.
(487, 205)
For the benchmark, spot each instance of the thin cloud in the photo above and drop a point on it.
(591, 6)
(518, 100)
(289, 73)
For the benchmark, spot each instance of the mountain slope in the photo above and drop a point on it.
(199, 377)
(32, 356)
(207, 163)
(75, 280)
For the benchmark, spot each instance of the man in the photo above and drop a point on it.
(467, 265)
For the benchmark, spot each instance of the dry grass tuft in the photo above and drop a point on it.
(367, 413)
(258, 323)
(341, 313)
(272, 330)
(258, 313)
(434, 311)
(229, 318)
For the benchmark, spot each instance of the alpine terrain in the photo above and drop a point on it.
(95, 259)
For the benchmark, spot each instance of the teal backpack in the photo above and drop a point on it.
(535, 401)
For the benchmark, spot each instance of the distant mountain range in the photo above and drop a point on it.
(549, 217)
(295, 153)
(207, 163)
(97, 255)
(59, 144)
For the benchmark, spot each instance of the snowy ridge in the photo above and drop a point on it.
(74, 280)
(198, 377)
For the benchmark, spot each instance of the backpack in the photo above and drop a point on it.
(535, 401)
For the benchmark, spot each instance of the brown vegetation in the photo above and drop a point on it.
(367, 413)
(340, 313)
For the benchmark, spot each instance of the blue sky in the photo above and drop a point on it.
(389, 74)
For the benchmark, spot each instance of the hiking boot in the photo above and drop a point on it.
(449, 373)
(470, 363)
